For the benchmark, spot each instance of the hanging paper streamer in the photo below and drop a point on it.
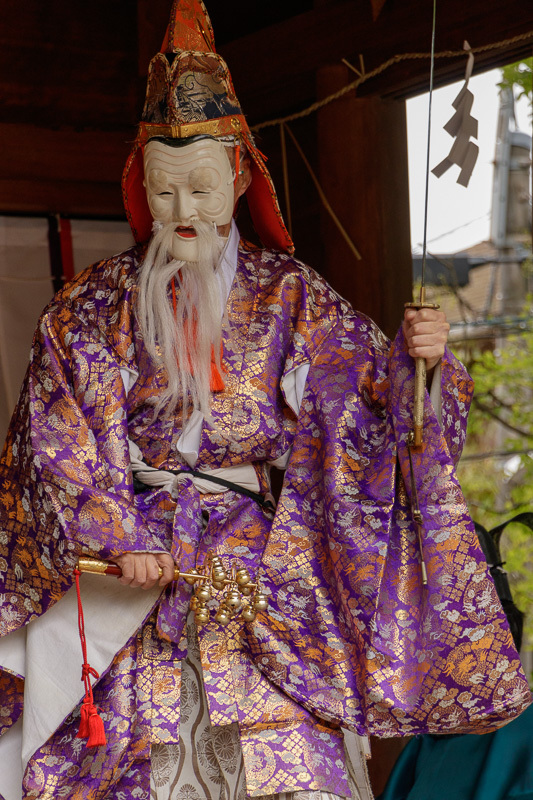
(463, 127)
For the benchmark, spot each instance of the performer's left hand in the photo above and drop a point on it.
(426, 333)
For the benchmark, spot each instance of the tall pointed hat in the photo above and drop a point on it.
(190, 93)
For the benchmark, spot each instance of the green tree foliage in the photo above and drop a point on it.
(497, 471)
(519, 77)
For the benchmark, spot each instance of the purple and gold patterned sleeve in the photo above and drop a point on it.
(457, 389)
(65, 480)
(352, 631)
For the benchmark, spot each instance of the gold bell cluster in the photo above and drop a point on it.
(240, 597)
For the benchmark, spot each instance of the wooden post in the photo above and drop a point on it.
(362, 145)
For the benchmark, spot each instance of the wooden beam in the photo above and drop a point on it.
(69, 63)
(274, 69)
(62, 171)
(87, 199)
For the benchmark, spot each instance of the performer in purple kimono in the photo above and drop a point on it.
(164, 384)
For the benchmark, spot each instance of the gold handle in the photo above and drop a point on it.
(418, 403)
(240, 594)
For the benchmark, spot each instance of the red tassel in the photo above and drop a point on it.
(84, 722)
(91, 724)
(217, 384)
(96, 729)
(216, 381)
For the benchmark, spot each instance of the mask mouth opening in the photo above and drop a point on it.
(186, 232)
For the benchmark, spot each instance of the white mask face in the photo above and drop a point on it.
(188, 183)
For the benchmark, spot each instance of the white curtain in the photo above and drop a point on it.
(26, 287)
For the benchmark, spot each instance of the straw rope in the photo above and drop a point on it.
(363, 76)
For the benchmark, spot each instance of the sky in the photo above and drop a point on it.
(452, 207)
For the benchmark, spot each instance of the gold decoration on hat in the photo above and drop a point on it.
(190, 93)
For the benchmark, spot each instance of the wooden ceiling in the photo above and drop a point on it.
(72, 74)
(283, 75)
(82, 64)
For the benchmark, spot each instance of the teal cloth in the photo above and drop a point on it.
(495, 766)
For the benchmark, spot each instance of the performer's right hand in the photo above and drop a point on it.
(142, 569)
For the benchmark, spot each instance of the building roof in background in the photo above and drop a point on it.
(478, 298)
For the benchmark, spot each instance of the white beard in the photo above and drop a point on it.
(169, 339)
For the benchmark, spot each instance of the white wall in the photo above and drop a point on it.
(26, 287)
